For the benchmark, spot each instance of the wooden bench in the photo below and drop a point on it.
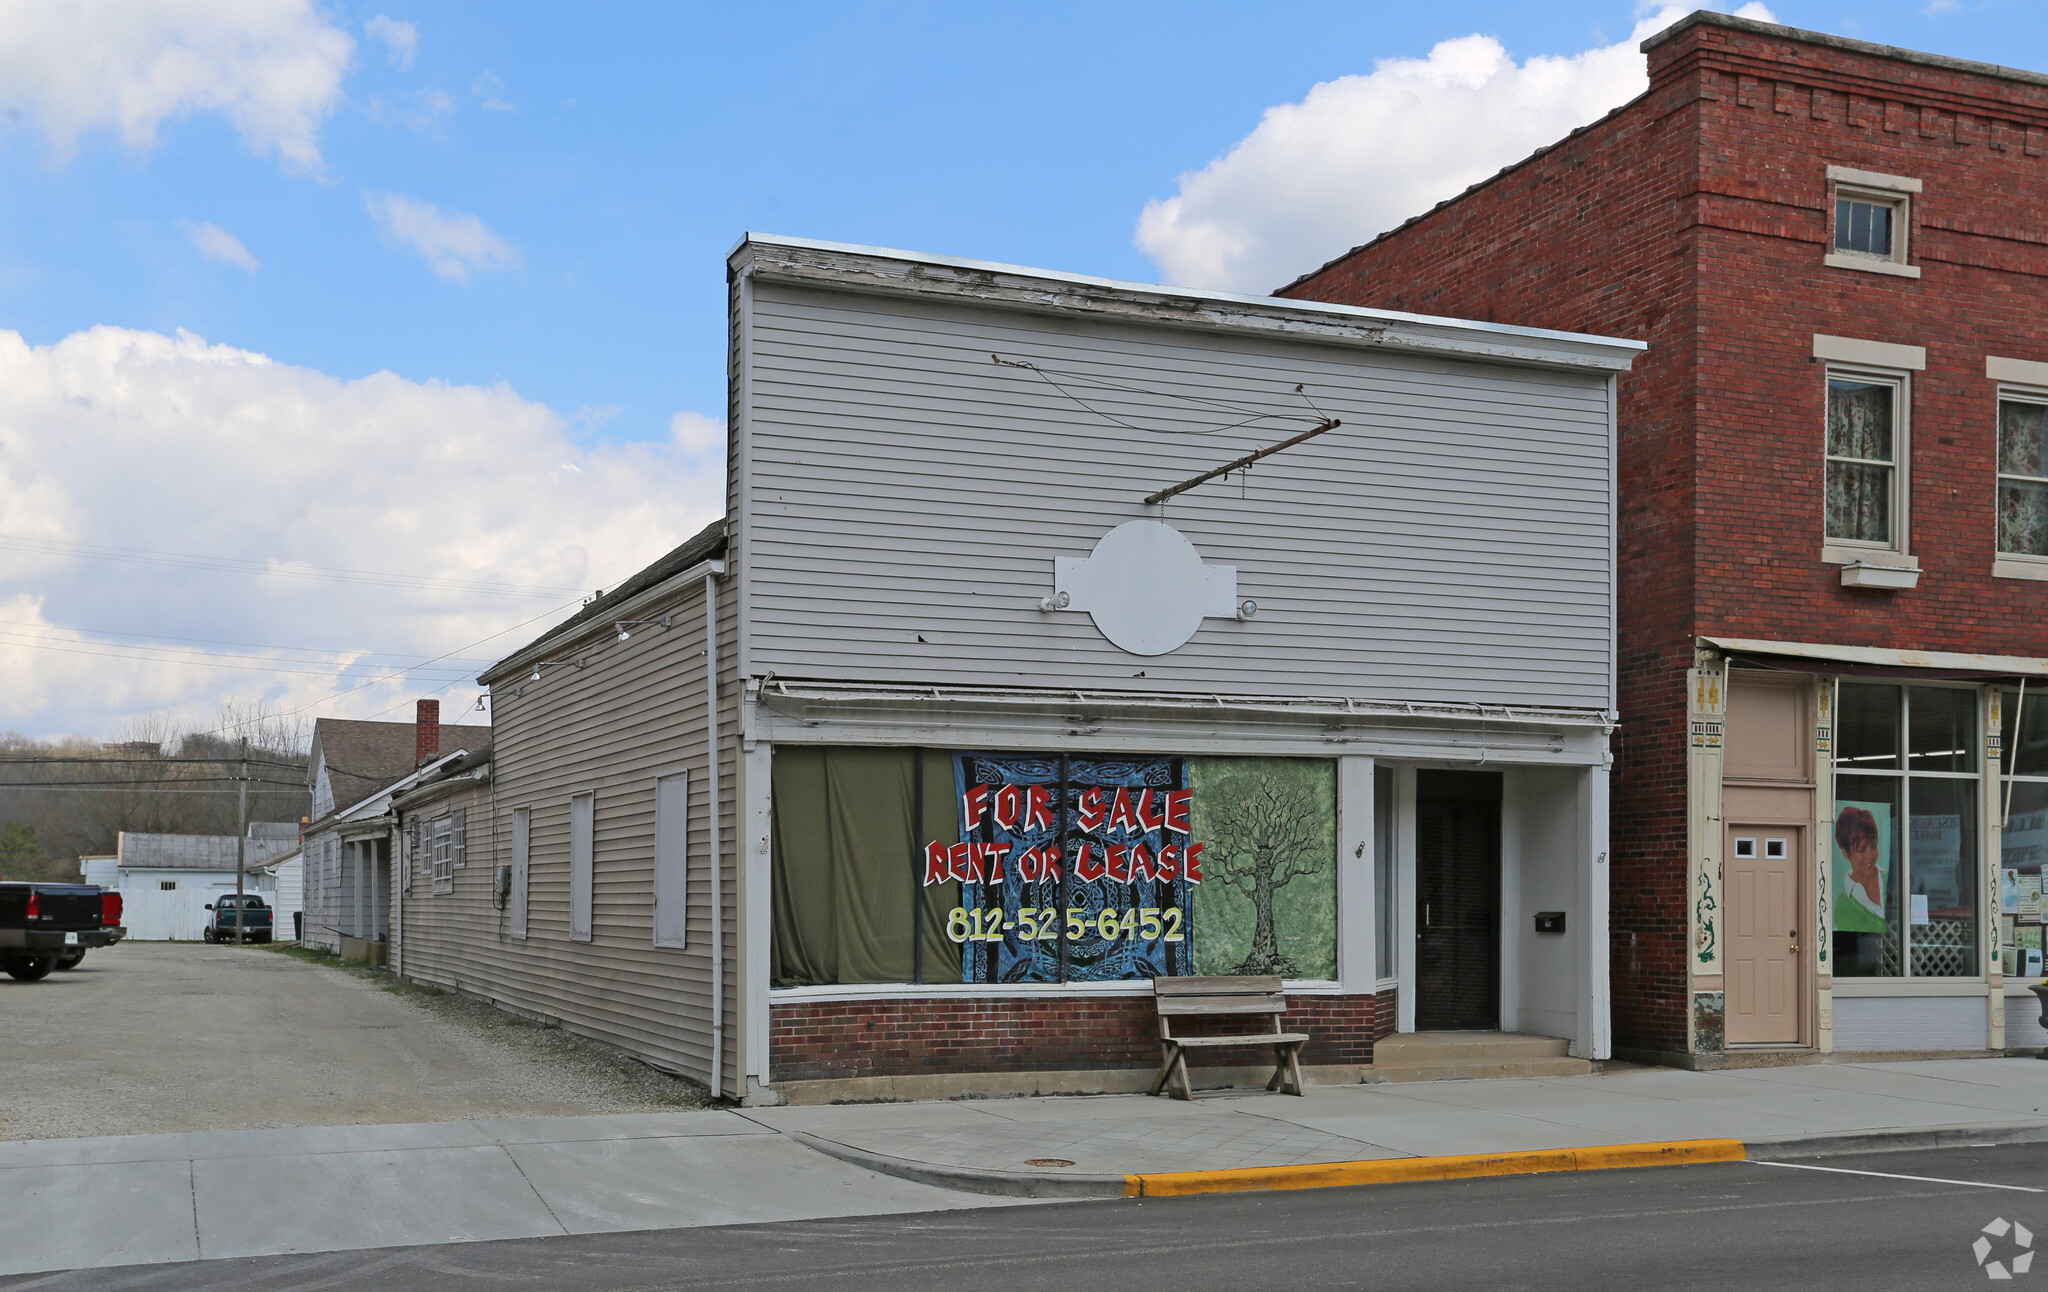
(1224, 998)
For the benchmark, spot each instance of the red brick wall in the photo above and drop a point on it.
(819, 1040)
(1695, 218)
(1587, 236)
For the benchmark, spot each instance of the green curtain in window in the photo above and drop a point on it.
(845, 853)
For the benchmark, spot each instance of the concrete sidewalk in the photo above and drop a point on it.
(150, 1199)
(143, 1199)
(990, 1145)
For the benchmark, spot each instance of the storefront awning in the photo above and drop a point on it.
(1875, 661)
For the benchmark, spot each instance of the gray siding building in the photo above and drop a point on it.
(996, 695)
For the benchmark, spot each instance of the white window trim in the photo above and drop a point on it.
(2015, 565)
(1895, 191)
(441, 852)
(1897, 554)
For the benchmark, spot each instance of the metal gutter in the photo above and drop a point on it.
(1063, 700)
(601, 627)
(1884, 657)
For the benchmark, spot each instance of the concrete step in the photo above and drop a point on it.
(1446, 1056)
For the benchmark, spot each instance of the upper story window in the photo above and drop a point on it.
(1863, 441)
(1866, 226)
(1867, 442)
(1872, 221)
(2023, 475)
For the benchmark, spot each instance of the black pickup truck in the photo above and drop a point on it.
(50, 926)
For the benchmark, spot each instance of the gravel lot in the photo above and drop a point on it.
(151, 1037)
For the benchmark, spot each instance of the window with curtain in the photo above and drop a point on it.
(2023, 476)
(1862, 460)
(1904, 884)
(929, 866)
(2023, 857)
(846, 856)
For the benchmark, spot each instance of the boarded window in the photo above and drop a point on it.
(522, 845)
(582, 853)
(671, 859)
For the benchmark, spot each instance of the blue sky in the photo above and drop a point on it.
(643, 139)
(521, 211)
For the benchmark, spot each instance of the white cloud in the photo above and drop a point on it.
(455, 244)
(216, 243)
(401, 39)
(166, 444)
(1360, 154)
(697, 436)
(491, 91)
(272, 67)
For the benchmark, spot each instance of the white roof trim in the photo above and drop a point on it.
(1621, 350)
(2014, 665)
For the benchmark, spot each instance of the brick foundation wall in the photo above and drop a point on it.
(1696, 218)
(922, 1036)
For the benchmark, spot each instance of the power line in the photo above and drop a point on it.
(292, 713)
(25, 624)
(1063, 379)
(293, 570)
(154, 760)
(175, 780)
(34, 643)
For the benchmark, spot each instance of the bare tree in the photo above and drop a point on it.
(158, 776)
(1263, 840)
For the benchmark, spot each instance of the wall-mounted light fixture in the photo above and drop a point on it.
(554, 663)
(624, 624)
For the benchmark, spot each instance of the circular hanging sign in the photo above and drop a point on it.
(1145, 586)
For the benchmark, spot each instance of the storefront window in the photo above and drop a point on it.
(2024, 843)
(1033, 868)
(1904, 892)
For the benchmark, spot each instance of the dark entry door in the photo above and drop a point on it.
(1457, 901)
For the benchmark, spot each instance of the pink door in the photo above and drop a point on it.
(1764, 935)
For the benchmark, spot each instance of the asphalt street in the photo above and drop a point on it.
(1742, 1225)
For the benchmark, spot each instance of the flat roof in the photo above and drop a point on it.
(1705, 17)
(1287, 304)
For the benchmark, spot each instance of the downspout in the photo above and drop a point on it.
(717, 860)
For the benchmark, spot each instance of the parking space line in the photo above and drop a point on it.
(1887, 1175)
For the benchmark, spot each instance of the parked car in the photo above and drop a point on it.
(45, 927)
(257, 919)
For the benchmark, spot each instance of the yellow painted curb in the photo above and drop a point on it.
(1334, 1175)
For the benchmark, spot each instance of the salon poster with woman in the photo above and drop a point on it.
(1863, 865)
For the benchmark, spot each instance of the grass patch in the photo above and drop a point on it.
(404, 988)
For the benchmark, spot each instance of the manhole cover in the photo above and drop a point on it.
(1047, 1161)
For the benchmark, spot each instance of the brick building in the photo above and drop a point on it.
(1834, 524)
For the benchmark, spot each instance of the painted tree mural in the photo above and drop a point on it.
(1263, 837)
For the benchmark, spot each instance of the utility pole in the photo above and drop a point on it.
(241, 838)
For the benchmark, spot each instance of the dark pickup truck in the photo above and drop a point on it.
(50, 926)
(257, 919)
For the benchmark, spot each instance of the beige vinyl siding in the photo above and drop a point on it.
(633, 713)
